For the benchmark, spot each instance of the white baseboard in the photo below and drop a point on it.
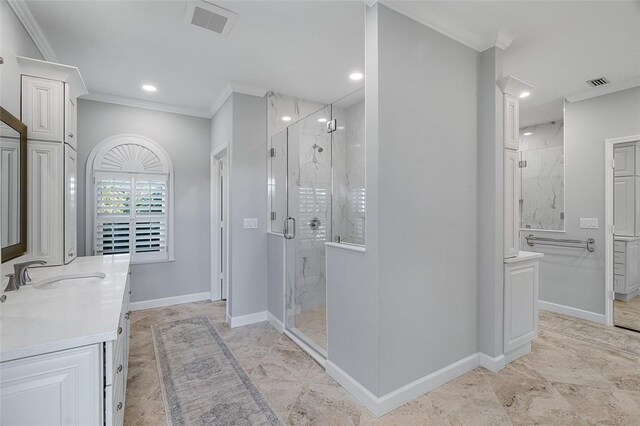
(380, 406)
(168, 301)
(573, 312)
(275, 322)
(518, 352)
(241, 320)
(493, 364)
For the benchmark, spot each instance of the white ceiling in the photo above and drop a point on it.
(307, 48)
(557, 45)
(304, 49)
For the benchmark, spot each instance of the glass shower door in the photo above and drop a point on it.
(308, 227)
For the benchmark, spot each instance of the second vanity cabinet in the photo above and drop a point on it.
(626, 267)
(49, 109)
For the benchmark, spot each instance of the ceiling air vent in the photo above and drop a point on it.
(210, 17)
(597, 82)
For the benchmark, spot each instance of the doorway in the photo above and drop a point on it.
(623, 236)
(219, 225)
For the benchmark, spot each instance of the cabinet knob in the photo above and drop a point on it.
(128, 314)
(119, 330)
(119, 369)
(70, 135)
(119, 406)
(131, 336)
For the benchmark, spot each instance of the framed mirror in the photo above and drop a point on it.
(13, 186)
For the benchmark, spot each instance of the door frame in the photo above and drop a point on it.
(218, 157)
(609, 215)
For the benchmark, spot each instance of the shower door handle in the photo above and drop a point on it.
(286, 228)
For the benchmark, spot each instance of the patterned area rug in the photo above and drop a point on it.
(202, 382)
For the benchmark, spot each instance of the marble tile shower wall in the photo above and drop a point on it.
(543, 176)
(279, 106)
(349, 174)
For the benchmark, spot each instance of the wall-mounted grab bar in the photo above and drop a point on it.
(559, 242)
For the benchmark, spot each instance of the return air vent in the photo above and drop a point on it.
(210, 17)
(597, 82)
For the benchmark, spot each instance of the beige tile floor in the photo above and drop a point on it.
(627, 314)
(578, 373)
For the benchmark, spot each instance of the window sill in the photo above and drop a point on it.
(146, 262)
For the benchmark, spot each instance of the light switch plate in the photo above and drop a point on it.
(250, 223)
(589, 223)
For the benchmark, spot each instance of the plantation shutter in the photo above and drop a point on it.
(131, 215)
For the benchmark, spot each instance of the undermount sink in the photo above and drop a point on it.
(57, 280)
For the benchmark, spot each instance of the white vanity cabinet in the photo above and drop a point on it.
(49, 109)
(626, 267)
(511, 122)
(521, 282)
(51, 381)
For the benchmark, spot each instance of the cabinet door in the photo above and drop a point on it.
(511, 204)
(45, 201)
(511, 123)
(70, 118)
(632, 267)
(520, 303)
(625, 160)
(624, 206)
(70, 203)
(60, 388)
(42, 108)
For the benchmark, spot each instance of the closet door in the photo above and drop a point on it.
(70, 203)
(42, 108)
(625, 161)
(511, 204)
(624, 206)
(45, 206)
(511, 123)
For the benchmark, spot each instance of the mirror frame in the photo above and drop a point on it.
(16, 250)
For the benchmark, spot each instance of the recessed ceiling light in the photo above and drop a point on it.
(356, 76)
(527, 133)
(286, 118)
(524, 94)
(149, 88)
(322, 120)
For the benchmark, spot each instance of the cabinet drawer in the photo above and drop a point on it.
(618, 257)
(618, 269)
(619, 246)
(618, 283)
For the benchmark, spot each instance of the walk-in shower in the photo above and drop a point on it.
(317, 190)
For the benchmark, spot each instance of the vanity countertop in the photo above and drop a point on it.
(64, 315)
(524, 256)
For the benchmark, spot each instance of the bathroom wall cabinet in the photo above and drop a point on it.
(521, 282)
(626, 267)
(49, 100)
(511, 122)
(511, 204)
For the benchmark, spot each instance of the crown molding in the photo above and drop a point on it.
(421, 13)
(604, 90)
(138, 103)
(235, 88)
(29, 23)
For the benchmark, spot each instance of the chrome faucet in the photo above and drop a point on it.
(21, 274)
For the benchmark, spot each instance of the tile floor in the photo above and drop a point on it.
(313, 324)
(578, 373)
(627, 314)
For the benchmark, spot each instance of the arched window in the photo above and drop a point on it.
(130, 199)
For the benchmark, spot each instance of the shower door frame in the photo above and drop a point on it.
(311, 348)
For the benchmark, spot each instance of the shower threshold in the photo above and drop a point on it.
(306, 344)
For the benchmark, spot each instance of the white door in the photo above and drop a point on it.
(624, 206)
(223, 198)
(42, 108)
(625, 160)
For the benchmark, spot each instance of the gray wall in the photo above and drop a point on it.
(490, 192)
(352, 278)
(275, 279)
(186, 140)
(241, 123)
(427, 200)
(248, 199)
(576, 278)
(14, 41)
